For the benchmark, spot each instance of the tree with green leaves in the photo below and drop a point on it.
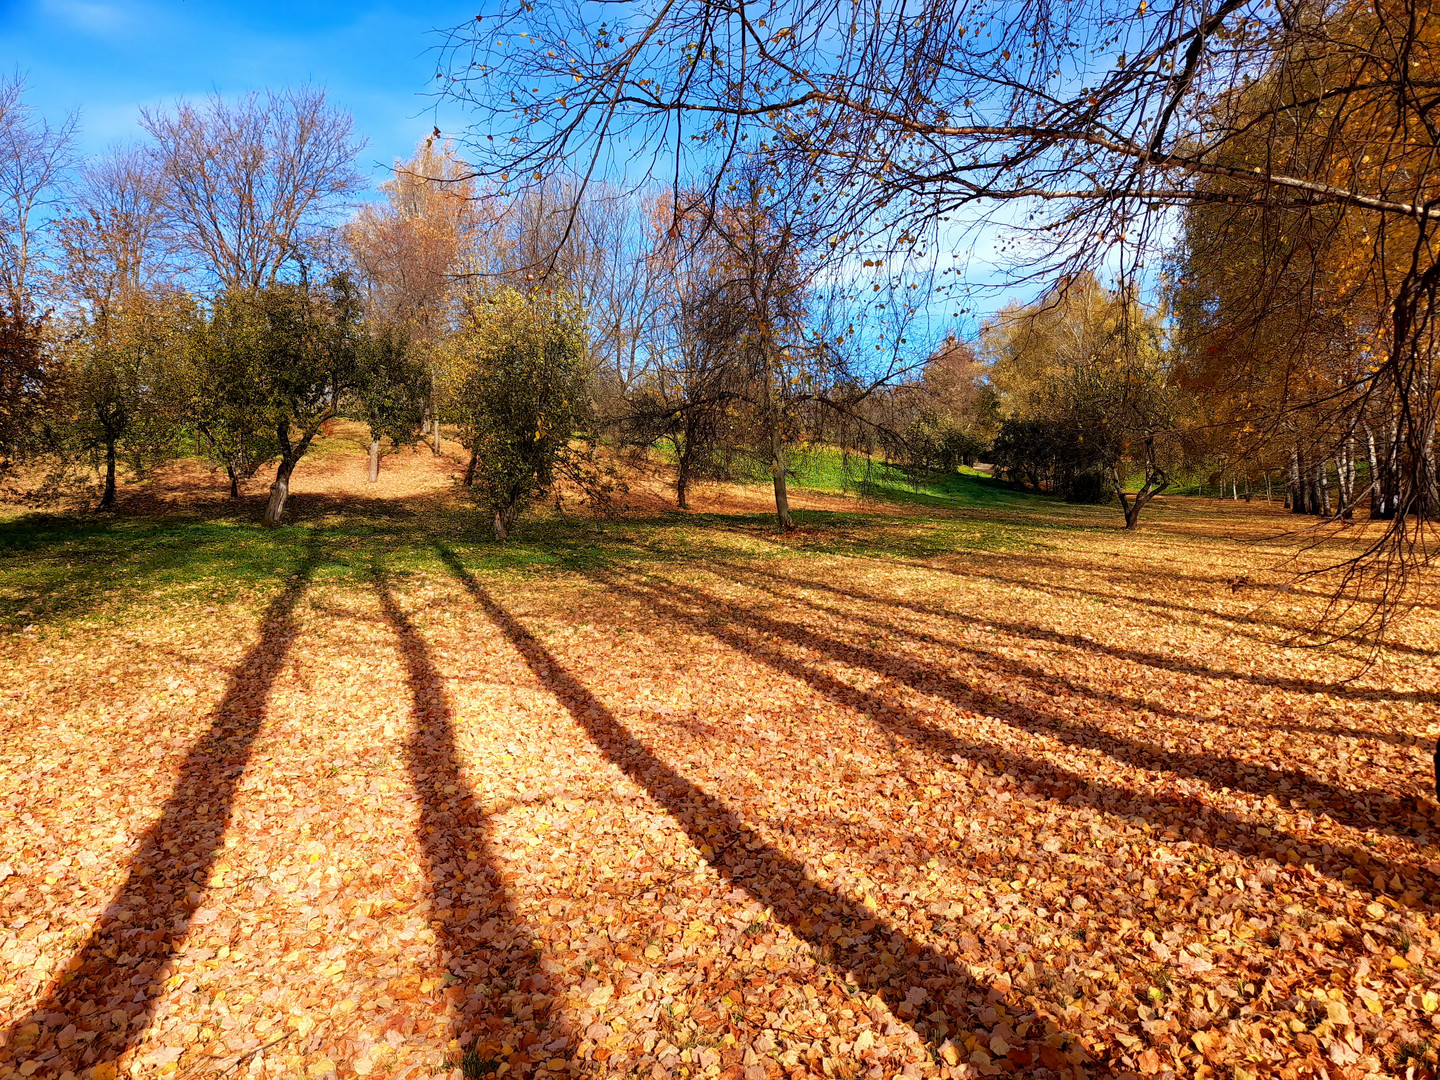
(126, 380)
(275, 364)
(515, 377)
(392, 390)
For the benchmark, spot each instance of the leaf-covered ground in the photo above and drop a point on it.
(960, 794)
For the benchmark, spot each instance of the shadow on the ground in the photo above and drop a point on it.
(104, 998)
(485, 952)
(918, 980)
(783, 586)
(754, 634)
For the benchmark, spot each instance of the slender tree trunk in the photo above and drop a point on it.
(374, 460)
(470, 469)
(437, 436)
(107, 499)
(1342, 484)
(279, 492)
(1392, 473)
(1322, 481)
(682, 475)
(1376, 498)
(234, 481)
(1267, 487)
(777, 473)
(1297, 483)
(1431, 501)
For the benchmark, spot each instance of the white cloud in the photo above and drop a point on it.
(89, 17)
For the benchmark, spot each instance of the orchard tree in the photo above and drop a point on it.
(515, 378)
(126, 380)
(392, 389)
(126, 325)
(275, 365)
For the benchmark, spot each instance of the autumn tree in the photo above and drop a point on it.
(688, 393)
(408, 250)
(252, 184)
(1096, 119)
(122, 336)
(1085, 395)
(515, 378)
(955, 415)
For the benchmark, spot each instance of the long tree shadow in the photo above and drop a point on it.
(1168, 606)
(1364, 808)
(917, 978)
(485, 951)
(763, 582)
(1144, 657)
(680, 605)
(103, 999)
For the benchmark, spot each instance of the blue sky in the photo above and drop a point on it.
(375, 58)
(107, 58)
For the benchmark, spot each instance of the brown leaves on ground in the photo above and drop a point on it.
(761, 813)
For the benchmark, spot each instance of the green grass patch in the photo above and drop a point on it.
(55, 569)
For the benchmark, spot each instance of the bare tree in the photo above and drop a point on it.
(250, 183)
(35, 157)
(112, 241)
(1099, 119)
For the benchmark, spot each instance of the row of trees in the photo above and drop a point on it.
(203, 294)
(185, 315)
(1279, 158)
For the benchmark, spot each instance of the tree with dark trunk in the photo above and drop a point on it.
(275, 365)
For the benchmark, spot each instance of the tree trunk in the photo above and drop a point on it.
(1297, 484)
(1131, 505)
(1345, 478)
(777, 473)
(279, 492)
(501, 533)
(1431, 501)
(1390, 473)
(107, 500)
(234, 481)
(374, 460)
(1322, 483)
(470, 469)
(684, 458)
(437, 436)
(1376, 499)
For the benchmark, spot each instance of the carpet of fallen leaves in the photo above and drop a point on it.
(1065, 810)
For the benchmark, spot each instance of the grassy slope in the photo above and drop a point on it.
(54, 567)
